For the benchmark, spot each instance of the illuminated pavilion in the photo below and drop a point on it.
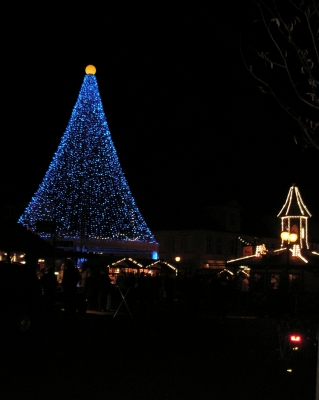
(294, 265)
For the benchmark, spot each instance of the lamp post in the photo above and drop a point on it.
(178, 260)
(289, 238)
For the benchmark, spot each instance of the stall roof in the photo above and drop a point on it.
(16, 238)
(129, 262)
(161, 263)
(278, 258)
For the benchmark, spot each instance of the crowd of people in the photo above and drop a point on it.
(99, 291)
(91, 287)
(102, 293)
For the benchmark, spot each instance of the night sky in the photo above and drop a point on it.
(188, 124)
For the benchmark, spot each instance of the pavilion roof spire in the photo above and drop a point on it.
(294, 205)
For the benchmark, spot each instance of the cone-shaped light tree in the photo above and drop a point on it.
(84, 193)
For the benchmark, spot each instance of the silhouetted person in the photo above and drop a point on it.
(224, 292)
(157, 284)
(104, 290)
(214, 293)
(91, 289)
(169, 283)
(244, 292)
(49, 285)
(71, 277)
(84, 273)
(131, 284)
(121, 279)
(141, 289)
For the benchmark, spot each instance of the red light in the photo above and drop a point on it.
(295, 338)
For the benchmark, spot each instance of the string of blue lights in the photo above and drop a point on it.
(84, 192)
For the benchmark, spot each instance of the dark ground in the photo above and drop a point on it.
(173, 354)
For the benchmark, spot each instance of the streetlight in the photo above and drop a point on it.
(178, 260)
(290, 238)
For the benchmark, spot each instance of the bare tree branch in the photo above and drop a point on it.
(285, 60)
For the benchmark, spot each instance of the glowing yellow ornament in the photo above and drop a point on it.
(90, 70)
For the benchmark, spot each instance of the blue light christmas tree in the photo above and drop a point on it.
(84, 193)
